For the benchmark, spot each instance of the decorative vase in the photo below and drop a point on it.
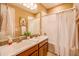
(10, 41)
(28, 37)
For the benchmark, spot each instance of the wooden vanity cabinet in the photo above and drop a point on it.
(43, 48)
(31, 51)
(40, 49)
(34, 54)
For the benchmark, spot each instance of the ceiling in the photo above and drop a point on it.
(46, 5)
(25, 8)
(50, 5)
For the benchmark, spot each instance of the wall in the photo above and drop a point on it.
(60, 8)
(41, 10)
(19, 13)
(55, 9)
(77, 11)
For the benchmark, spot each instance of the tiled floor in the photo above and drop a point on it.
(50, 54)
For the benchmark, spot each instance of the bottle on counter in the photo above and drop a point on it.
(10, 40)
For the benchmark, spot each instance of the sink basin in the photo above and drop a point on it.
(25, 43)
(35, 39)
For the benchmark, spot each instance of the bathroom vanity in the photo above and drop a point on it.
(39, 49)
(28, 47)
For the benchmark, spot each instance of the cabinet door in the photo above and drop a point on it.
(43, 50)
(35, 53)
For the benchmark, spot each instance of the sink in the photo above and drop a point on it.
(35, 39)
(24, 44)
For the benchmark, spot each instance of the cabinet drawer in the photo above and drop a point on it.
(42, 43)
(29, 51)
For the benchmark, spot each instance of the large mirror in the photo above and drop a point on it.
(0, 25)
(7, 22)
(2, 21)
(34, 25)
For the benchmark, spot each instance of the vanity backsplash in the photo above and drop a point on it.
(5, 40)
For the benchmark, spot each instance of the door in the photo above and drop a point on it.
(43, 50)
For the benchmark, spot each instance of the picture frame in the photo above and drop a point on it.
(23, 25)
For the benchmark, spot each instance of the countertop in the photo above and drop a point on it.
(16, 48)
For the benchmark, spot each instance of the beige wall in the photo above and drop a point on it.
(55, 9)
(60, 8)
(41, 10)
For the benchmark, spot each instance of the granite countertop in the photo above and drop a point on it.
(16, 48)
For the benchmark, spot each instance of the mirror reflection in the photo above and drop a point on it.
(15, 22)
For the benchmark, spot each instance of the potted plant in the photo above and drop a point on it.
(28, 34)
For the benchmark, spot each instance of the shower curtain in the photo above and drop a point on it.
(60, 28)
(66, 31)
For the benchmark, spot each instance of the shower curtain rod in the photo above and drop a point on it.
(60, 11)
